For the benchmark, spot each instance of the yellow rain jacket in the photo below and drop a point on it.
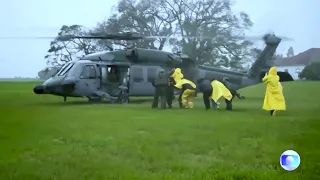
(218, 90)
(188, 92)
(177, 75)
(273, 99)
(180, 83)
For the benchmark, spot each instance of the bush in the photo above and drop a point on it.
(311, 72)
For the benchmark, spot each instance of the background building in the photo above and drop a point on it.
(295, 64)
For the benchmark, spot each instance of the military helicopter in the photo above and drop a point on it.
(118, 74)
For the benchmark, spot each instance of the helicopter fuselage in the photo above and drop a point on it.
(71, 81)
(135, 69)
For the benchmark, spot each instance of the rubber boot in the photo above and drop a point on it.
(190, 105)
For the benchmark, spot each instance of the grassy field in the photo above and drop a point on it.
(41, 137)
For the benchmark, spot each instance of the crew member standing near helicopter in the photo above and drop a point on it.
(161, 84)
(174, 77)
(170, 91)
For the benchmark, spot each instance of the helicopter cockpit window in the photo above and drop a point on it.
(88, 72)
(65, 69)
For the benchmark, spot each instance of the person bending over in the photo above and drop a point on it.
(188, 89)
(214, 90)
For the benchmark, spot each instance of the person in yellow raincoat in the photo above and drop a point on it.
(188, 90)
(273, 99)
(177, 75)
(174, 76)
(214, 90)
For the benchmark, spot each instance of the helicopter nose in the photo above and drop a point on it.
(68, 87)
(38, 89)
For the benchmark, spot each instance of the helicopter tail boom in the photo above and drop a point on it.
(264, 60)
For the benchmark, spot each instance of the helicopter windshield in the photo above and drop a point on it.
(65, 68)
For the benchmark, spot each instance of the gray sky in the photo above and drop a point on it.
(295, 18)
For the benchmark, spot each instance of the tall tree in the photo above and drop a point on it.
(212, 18)
(290, 52)
(146, 17)
(61, 52)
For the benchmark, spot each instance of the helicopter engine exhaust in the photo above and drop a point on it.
(38, 89)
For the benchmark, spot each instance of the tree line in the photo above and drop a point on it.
(213, 18)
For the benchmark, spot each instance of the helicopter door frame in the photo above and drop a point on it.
(137, 80)
(89, 83)
(151, 74)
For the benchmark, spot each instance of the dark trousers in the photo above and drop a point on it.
(170, 96)
(206, 101)
(180, 100)
(160, 92)
(271, 112)
(228, 104)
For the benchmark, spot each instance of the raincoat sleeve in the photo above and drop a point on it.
(179, 84)
(265, 78)
(280, 88)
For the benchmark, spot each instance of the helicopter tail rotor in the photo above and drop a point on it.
(269, 33)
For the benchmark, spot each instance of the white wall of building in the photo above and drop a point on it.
(292, 70)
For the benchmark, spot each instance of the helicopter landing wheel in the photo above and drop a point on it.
(123, 100)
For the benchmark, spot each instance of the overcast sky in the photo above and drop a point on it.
(297, 19)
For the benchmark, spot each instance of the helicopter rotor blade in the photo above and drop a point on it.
(26, 37)
(132, 36)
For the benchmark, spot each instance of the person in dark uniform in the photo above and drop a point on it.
(206, 89)
(214, 90)
(170, 92)
(161, 84)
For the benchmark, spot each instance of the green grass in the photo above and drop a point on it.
(43, 138)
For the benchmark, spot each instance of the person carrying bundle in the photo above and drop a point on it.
(176, 75)
(187, 94)
(187, 87)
